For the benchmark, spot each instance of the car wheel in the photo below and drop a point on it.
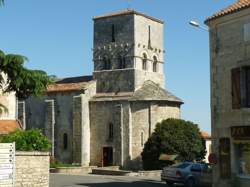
(190, 183)
(169, 183)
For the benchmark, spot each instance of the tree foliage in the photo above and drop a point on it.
(30, 140)
(173, 136)
(23, 81)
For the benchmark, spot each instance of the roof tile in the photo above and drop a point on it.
(8, 126)
(237, 6)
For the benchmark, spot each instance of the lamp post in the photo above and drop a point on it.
(196, 24)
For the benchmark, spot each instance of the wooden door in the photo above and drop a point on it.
(107, 156)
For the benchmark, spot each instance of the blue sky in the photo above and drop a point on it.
(57, 35)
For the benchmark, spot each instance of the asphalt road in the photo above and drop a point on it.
(59, 180)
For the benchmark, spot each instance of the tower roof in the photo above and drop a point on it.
(153, 92)
(237, 6)
(127, 12)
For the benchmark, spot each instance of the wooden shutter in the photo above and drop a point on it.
(247, 87)
(225, 158)
(236, 94)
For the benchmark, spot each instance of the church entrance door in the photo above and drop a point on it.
(107, 156)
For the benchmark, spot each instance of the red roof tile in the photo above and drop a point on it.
(237, 6)
(127, 12)
(8, 126)
(66, 87)
(70, 84)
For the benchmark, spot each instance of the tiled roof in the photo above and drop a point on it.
(8, 126)
(237, 6)
(127, 12)
(70, 84)
(152, 92)
(205, 135)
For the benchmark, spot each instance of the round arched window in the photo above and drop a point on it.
(155, 64)
(144, 61)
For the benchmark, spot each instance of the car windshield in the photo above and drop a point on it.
(181, 166)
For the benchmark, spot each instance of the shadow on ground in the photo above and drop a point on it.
(144, 183)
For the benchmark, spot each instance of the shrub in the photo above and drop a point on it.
(30, 140)
(173, 137)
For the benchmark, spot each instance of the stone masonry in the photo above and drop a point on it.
(32, 169)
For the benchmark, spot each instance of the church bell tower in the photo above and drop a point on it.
(128, 50)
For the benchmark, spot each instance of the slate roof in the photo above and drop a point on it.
(153, 92)
(8, 126)
(149, 91)
(70, 84)
(237, 6)
(127, 12)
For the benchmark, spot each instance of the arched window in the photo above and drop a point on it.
(107, 63)
(65, 141)
(122, 62)
(111, 131)
(142, 139)
(144, 62)
(155, 64)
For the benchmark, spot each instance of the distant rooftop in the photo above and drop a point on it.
(205, 135)
(237, 6)
(127, 12)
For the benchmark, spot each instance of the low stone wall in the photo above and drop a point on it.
(32, 169)
(73, 170)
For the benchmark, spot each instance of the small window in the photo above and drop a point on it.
(247, 32)
(142, 139)
(149, 37)
(144, 62)
(107, 63)
(111, 131)
(65, 141)
(113, 33)
(155, 68)
(122, 62)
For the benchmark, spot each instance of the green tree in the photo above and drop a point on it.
(173, 136)
(23, 81)
(30, 140)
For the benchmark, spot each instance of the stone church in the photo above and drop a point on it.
(105, 119)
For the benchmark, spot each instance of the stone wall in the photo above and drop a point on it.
(115, 81)
(130, 120)
(32, 169)
(145, 116)
(228, 50)
(101, 115)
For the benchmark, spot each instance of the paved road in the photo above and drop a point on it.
(59, 180)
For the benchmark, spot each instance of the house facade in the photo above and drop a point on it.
(105, 119)
(230, 97)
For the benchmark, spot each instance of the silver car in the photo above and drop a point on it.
(188, 173)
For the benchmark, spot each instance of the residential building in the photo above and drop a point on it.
(229, 31)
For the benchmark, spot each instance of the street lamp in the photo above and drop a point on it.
(196, 24)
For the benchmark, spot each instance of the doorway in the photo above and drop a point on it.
(107, 156)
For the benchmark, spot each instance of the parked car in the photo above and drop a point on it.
(188, 173)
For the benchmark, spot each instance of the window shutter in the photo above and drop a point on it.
(236, 94)
(247, 87)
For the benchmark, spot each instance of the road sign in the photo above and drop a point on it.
(7, 164)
